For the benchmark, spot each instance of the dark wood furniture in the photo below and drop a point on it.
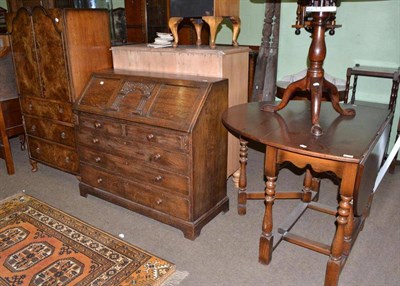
(266, 68)
(10, 111)
(147, 17)
(155, 144)
(10, 126)
(371, 71)
(210, 11)
(144, 18)
(282, 84)
(379, 72)
(352, 149)
(54, 53)
(317, 17)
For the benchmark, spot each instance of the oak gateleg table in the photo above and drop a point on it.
(351, 148)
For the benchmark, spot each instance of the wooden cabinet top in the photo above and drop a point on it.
(182, 49)
(162, 100)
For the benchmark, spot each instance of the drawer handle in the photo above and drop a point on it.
(158, 178)
(99, 180)
(38, 150)
(30, 106)
(63, 135)
(95, 140)
(97, 159)
(97, 125)
(60, 110)
(156, 157)
(159, 202)
(150, 137)
(33, 128)
(67, 160)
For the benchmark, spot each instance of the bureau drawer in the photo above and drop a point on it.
(61, 157)
(138, 172)
(172, 205)
(49, 130)
(60, 111)
(142, 133)
(145, 153)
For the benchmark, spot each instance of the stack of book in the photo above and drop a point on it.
(163, 40)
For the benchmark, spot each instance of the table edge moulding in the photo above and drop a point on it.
(352, 149)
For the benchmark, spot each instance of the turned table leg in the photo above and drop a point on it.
(267, 238)
(307, 186)
(347, 89)
(353, 94)
(337, 253)
(348, 231)
(242, 195)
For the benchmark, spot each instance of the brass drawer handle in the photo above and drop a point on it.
(60, 110)
(158, 178)
(97, 159)
(63, 135)
(150, 137)
(95, 140)
(38, 150)
(156, 157)
(99, 180)
(98, 125)
(67, 160)
(33, 128)
(159, 202)
(30, 106)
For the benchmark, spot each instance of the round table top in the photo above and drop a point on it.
(345, 138)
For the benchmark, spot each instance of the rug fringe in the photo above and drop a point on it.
(175, 278)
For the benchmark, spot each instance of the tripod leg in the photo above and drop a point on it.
(334, 97)
(297, 85)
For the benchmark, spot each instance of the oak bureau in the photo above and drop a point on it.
(155, 144)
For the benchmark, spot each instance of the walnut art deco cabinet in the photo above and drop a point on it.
(155, 143)
(54, 53)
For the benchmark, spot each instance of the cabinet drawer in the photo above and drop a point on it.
(173, 205)
(60, 111)
(55, 155)
(49, 130)
(142, 133)
(138, 172)
(152, 156)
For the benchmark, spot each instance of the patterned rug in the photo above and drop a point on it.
(40, 245)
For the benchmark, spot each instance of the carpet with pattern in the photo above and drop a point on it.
(41, 245)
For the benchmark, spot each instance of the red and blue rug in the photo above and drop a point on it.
(41, 245)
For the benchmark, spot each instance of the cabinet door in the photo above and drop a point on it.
(47, 26)
(24, 53)
(157, 18)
